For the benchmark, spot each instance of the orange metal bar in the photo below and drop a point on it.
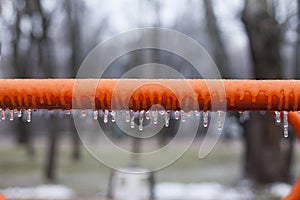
(294, 121)
(141, 94)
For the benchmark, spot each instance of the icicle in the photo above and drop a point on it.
(28, 112)
(3, 116)
(154, 114)
(95, 114)
(83, 113)
(11, 118)
(197, 113)
(205, 119)
(285, 124)
(141, 120)
(68, 112)
(132, 119)
(177, 114)
(183, 116)
(105, 117)
(277, 118)
(167, 118)
(113, 116)
(19, 113)
(242, 117)
(161, 112)
(127, 116)
(220, 125)
(147, 114)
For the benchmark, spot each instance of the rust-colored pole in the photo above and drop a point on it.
(141, 94)
(294, 121)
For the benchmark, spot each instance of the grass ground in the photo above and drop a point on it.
(89, 178)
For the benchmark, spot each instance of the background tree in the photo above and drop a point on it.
(267, 156)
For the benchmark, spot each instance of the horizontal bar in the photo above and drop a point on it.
(142, 94)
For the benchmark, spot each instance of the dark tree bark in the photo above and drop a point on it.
(267, 156)
(297, 46)
(74, 63)
(219, 51)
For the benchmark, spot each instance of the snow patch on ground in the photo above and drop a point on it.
(200, 191)
(280, 189)
(39, 192)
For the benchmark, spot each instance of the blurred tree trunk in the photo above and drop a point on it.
(72, 8)
(297, 47)
(219, 51)
(267, 156)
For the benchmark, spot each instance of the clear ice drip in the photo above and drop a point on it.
(183, 116)
(132, 119)
(127, 116)
(141, 120)
(205, 119)
(95, 114)
(285, 124)
(154, 114)
(161, 112)
(68, 112)
(113, 116)
(167, 119)
(19, 113)
(3, 114)
(28, 112)
(277, 117)
(220, 122)
(147, 114)
(105, 117)
(83, 113)
(177, 114)
(11, 115)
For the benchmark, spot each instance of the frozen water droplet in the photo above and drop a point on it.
(161, 112)
(68, 112)
(19, 113)
(28, 112)
(244, 116)
(147, 114)
(167, 118)
(285, 124)
(3, 114)
(205, 119)
(113, 116)
(189, 114)
(154, 114)
(141, 120)
(177, 114)
(132, 119)
(83, 113)
(95, 114)
(220, 122)
(183, 116)
(197, 113)
(11, 113)
(127, 116)
(277, 118)
(105, 117)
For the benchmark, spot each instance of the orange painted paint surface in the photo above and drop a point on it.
(2, 197)
(141, 94)
(294, 121)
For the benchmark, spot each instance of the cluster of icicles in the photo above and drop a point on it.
(152, 115)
